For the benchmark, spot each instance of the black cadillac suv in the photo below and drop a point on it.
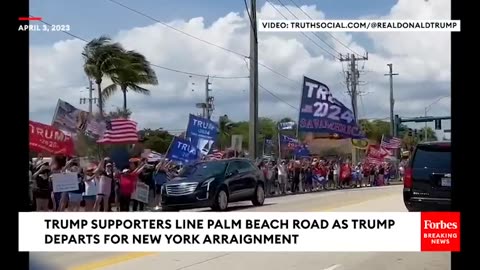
(214, 184)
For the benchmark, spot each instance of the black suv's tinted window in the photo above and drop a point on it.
(432, 157)
(232, 166)
(245, 166)
(203, 169)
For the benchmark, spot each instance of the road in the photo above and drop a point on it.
(376, 199)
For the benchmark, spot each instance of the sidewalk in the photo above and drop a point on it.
(392, 182)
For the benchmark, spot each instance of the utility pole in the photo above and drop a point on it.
(425, 131)
(253, 127)
(91, 100)
(392, 100)
(352, 82)
(208, 99)
(90, 96)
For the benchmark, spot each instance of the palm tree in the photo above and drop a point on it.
(133, 70)
(101, 57)
(119, 113)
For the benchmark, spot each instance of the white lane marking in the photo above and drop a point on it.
(333, 267)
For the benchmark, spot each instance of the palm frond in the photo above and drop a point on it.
(127, 69)
(138, 89)
(109, 91)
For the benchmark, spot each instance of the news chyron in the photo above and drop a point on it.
(240, 232)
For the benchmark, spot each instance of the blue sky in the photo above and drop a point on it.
(92, 18)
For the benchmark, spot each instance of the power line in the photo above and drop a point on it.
(315, 34)
(277, 97)
(199, 39)
(272, 93)
(332, 36)
(203, 75)
(176, 29)
(276, 72)
(163, 67)
(309, 38)
(65, 32)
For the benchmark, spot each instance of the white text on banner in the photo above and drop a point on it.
(359, 25)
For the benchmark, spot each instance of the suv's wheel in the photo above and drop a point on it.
(259, 197)
(220, 203)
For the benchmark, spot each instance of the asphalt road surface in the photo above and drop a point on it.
(376, 199)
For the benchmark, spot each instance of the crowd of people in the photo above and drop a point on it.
(293, 176)
(101, 187)
(104, 187)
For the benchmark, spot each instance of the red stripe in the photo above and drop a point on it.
(29, 18)
(122, 131)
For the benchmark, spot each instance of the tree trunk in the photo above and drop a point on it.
(124, 91)
(100, 98)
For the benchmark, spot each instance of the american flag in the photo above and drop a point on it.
(216, 154)
(119, 131)
(391, 142)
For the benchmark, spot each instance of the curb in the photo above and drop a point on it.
(393, 183)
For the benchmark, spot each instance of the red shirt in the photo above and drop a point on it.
(127, 183)
(345, 171)
(317, 171)
(323, 171)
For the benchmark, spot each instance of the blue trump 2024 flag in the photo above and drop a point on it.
(302, 151)
(202, 133)
(289, 142)
(182, 151)
(320, 112)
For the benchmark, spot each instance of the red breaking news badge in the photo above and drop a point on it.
(440, 231)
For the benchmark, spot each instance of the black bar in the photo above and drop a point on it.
(17, 46)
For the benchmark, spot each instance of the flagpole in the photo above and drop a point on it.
(169, 146)
(296, 132)
(279, 147)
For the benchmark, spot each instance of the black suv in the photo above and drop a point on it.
(214, 184)
(428, 179)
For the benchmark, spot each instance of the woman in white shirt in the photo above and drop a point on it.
(282, 177)
(90, 194)
(335, 175)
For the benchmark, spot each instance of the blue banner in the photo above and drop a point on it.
(289, 142)
(182, 151)
(120, 156)
(302, 151)
(320, 112)
(202, 133)
(269, 142)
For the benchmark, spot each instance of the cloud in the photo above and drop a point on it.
(421, 59)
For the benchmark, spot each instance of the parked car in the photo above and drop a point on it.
(427, 178)
(214, 184)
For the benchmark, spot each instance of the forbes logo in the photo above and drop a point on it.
(440, 231)
(440, 225)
